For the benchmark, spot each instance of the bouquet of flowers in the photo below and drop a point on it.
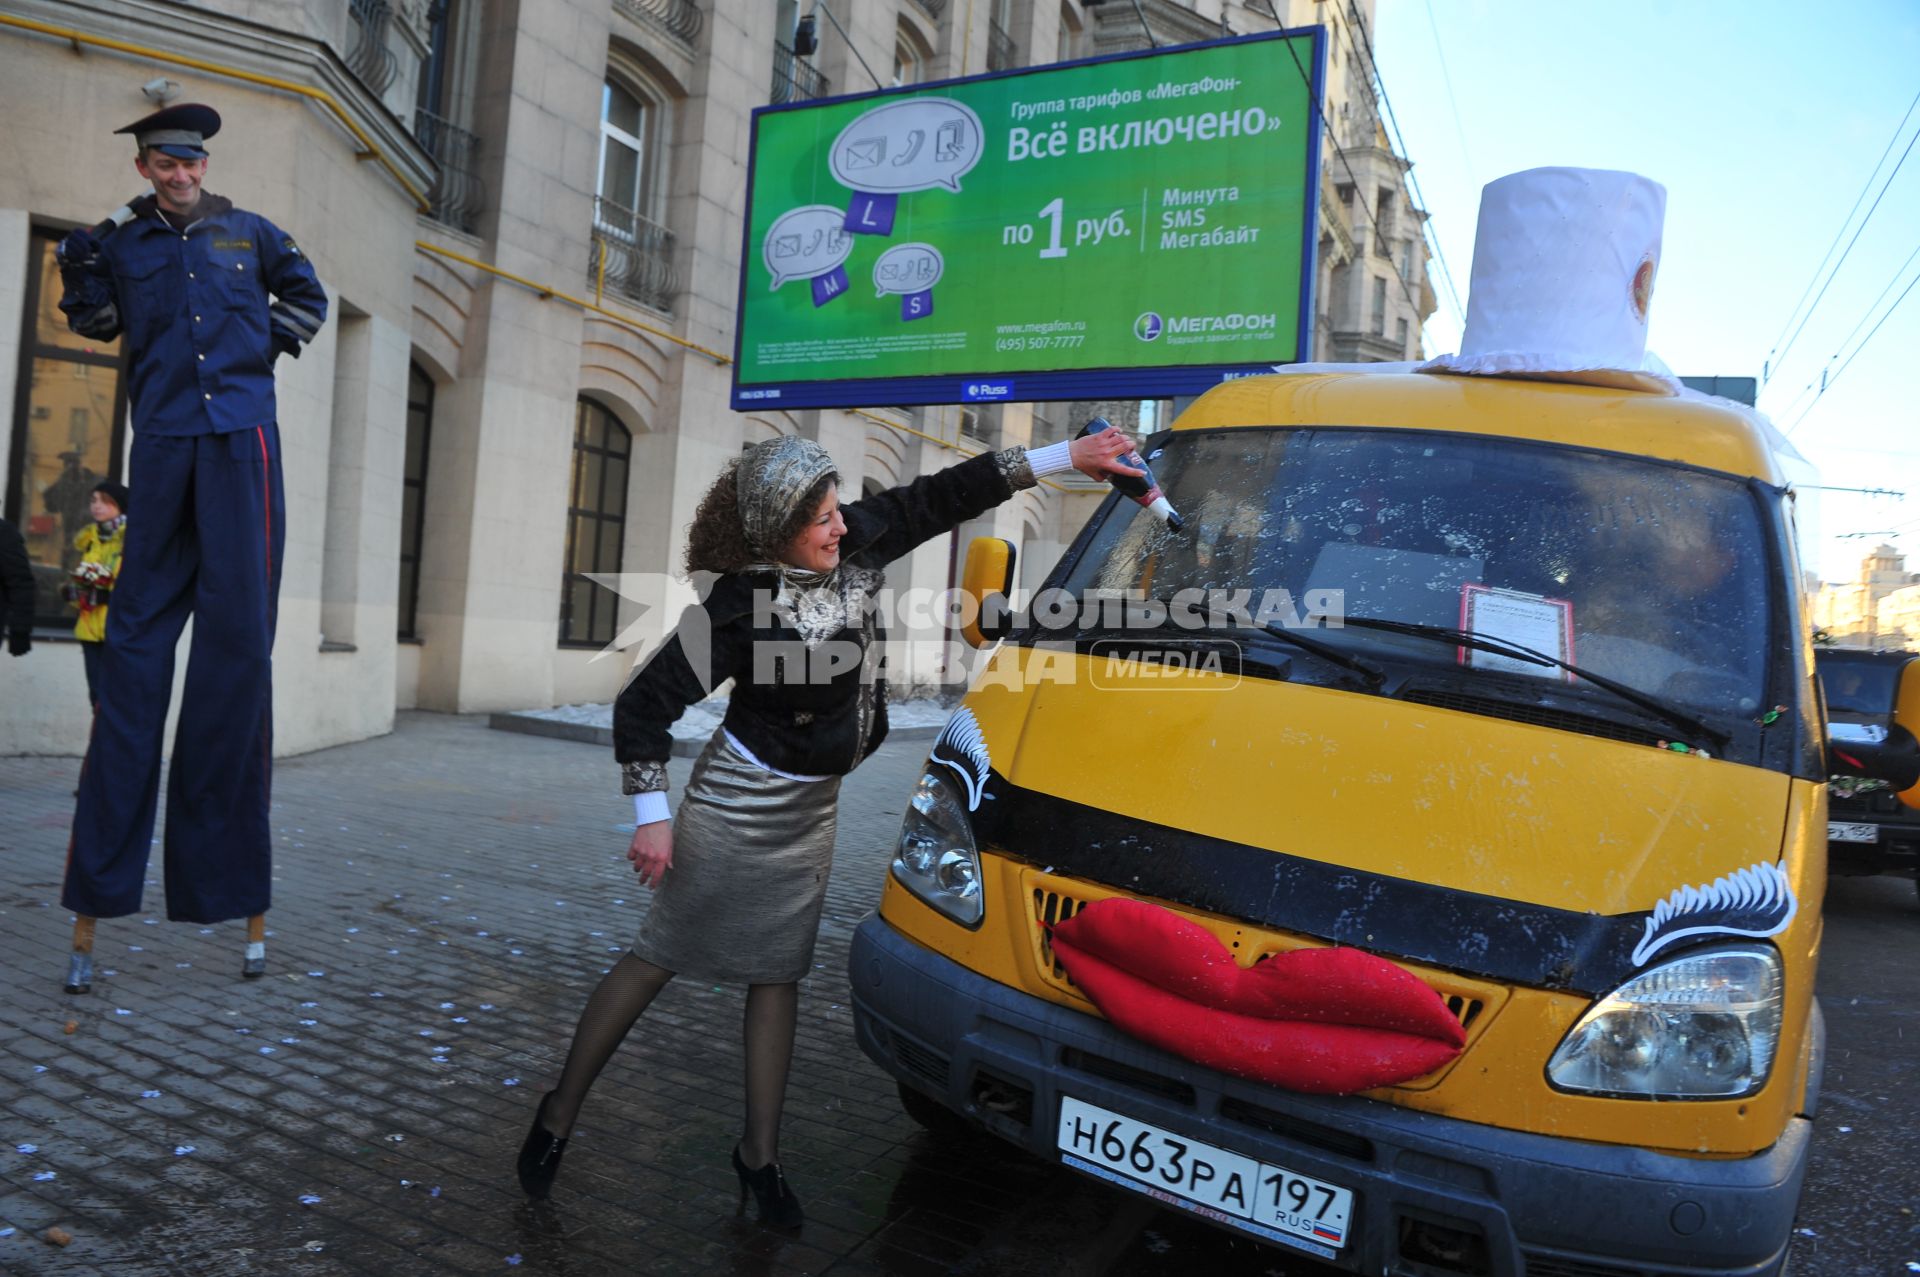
(91, 584)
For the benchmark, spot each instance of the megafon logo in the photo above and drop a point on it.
(1148, 326)
(1223, 323)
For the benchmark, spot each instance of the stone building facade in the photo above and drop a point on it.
(1879, 609)
(529, 216)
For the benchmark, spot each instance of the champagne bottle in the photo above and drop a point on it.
(1142, 487)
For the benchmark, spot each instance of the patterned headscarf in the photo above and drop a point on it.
(771, 481)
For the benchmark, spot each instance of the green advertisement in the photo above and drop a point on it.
(1131, 226)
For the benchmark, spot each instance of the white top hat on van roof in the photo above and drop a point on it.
(1564, 261)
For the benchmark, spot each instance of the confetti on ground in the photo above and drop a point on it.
(397, 1138)
(8, 1232)
(121, 1011)
(134, 948)
(1806, 1232)
(309, 1023)
(39, 1068)
(446, 1006)
(289, 1041)
(316, 1244)
(486, 1006)
(309, 1005)
(41, 1177)
(460, 1019)
(309, 1199)
(513, 1259)
(72, 1025)
(26, 1148)
(434, 1191)
(316, 974)
(181, 1150)
(512, 1081)
(149, 1095)
(1846, 1130)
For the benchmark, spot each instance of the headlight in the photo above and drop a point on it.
(936, 859)
(1703, 1026)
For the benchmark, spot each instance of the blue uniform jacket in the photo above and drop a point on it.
(194, 306)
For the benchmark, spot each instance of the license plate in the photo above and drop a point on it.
(1261, 1197)
(1846, 831)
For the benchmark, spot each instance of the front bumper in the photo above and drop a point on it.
(1425, 1187)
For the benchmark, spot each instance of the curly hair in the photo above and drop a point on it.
(716, 541)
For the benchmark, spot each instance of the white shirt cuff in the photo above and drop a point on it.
(650, 807)
(1051, 459)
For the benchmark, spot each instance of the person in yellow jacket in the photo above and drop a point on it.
(99, 544)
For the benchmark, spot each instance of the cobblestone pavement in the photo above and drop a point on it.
(445, 897)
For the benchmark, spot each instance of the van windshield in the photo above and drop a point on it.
(1650, 574)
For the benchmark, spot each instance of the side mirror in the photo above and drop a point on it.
(986, 581)
(1881, 738)
(1906, 716)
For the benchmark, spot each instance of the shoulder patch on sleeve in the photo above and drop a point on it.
(290, 246)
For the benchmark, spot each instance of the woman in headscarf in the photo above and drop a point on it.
(740, 872)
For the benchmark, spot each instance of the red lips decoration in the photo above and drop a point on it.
(1324, 1021)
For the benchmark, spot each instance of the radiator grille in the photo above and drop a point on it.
(1057, 899)
(1553, 1266)
(920, 1060)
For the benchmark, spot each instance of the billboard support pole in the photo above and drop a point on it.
(1142, 15)
(821, 7)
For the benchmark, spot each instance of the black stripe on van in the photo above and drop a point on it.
(1480, 935)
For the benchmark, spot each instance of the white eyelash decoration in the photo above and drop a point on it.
(962, 750)
(1755, 901)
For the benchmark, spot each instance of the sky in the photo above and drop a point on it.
(1765, 122)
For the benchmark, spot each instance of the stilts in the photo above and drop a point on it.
(256, 964)
(80, 962)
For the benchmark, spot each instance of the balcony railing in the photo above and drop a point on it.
(631, 255)
(999, 47)
(677, 18)
(794, 80)
(370, 59)
(457, 195)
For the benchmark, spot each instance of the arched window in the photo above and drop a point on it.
(909, 58)
(632, 248)
(413, 497)
(596, 525)
(629, 130)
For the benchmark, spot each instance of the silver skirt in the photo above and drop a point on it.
(751, 854)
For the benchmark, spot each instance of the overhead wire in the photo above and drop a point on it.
(1358, 20)
(1850, 243)
(1326, 131)
(1845, 222)
(1828, 382)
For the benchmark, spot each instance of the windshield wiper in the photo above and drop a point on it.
(1533, 656)
(1325, 651)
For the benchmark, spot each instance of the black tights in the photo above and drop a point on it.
(618, 1001)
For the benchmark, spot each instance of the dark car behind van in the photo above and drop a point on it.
(1869, 829)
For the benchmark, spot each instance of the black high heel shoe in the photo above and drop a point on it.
(540, 1155)
(779, 1208)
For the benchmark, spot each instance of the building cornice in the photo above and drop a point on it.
(170, 33)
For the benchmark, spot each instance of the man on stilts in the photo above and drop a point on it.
(208, 296)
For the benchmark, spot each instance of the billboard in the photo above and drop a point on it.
(1137, 226)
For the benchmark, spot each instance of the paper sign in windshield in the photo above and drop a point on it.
(1530, 620)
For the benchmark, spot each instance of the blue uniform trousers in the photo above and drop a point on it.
(208, 541)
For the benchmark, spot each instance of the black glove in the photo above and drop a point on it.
(79, 248)
(20, 642)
